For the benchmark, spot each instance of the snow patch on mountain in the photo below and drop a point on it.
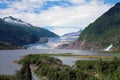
(16, 21)
(72, 34)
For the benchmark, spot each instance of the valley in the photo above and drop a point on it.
(55, 43)
(34, 51)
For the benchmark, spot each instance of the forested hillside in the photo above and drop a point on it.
(22, 34)
(103, 32)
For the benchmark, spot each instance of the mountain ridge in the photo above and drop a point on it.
(101, 33)
(16, 21)
(72, 33)
(17, 34)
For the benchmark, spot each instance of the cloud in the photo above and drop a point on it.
(4, 1)
(77, 1)
(65, 19)
(63, 30)
(26, 5)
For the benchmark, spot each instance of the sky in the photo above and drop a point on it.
(58, 16)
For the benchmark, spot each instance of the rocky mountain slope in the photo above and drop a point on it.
(101, 33)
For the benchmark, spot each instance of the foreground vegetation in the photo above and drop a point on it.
(50, 68)
(7, 77)
(103, 70)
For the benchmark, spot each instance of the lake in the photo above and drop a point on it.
(7, 57)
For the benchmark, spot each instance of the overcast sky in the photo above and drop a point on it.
(59, 16)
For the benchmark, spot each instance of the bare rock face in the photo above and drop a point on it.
(83, 45)
(74, 45)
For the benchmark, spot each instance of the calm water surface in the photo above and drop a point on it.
(71, 60)
(7, 57)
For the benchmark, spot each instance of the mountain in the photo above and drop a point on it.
(101, 33)
(18, 32)
(70, 37)
(16, 21)
(57, 43)
(64, 40)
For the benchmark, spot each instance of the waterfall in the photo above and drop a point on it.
(108, 48)
(34, 76)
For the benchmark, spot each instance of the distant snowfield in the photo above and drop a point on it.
(16, 21)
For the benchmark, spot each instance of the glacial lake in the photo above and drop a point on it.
(7, 57)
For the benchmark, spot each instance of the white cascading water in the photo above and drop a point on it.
(108, 48)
